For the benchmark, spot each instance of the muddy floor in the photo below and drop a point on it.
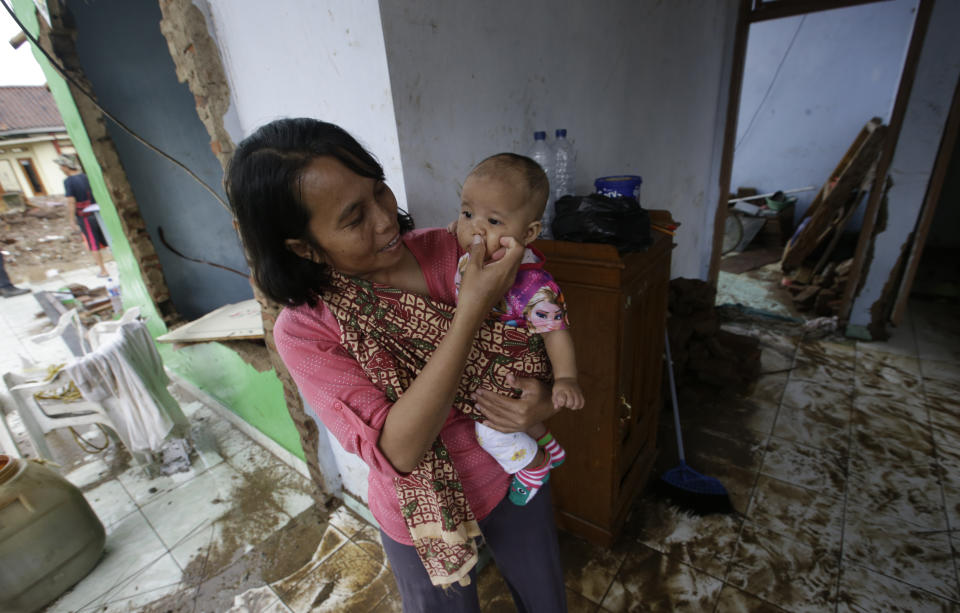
(42, 237)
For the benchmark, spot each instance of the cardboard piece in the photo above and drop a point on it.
(230, 322)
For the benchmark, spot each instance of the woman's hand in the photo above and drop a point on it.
(506, 414)
(485, 283)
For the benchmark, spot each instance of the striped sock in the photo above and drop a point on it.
(551, 446)
(527, 482)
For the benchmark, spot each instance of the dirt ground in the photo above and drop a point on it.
(40, 238)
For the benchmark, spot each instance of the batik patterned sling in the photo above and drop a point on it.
(392, 334)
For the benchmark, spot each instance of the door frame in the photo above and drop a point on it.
(753, 11)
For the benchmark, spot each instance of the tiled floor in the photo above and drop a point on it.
(843, 462)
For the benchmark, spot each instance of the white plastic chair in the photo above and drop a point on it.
(68, 324)
(100, 332)
(42, 416)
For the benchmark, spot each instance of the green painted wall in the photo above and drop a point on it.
(213, 367)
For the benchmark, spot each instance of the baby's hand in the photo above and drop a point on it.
(567, 393)
(452, 227)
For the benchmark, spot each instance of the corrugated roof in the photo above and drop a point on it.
(27, 108)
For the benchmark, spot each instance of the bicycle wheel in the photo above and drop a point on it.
(732, 233)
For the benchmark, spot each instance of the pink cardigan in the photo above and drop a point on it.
(353, 409)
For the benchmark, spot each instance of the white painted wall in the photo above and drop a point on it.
(810, 84)
(298, 58)
(916, 152)
(640, 86)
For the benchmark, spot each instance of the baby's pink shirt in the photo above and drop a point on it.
(354, 409)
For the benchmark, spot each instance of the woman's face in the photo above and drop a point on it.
(352, 218)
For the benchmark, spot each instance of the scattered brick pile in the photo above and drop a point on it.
(823, 294)
(703, 353)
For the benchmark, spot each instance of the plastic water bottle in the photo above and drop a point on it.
(113, 290)
(542, 154)
(564, 165)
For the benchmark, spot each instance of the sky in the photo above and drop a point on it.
(17, 66)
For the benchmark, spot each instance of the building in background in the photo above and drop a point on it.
(32, 134)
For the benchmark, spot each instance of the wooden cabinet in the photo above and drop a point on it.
(617, 307)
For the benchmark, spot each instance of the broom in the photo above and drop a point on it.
(685, 487)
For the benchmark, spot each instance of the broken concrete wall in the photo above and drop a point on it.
(913, 160)
(123, 54)
(198, 64)
(142, 273)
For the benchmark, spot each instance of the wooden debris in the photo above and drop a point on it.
(832, 207)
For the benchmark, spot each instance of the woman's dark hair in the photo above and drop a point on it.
(262, 184)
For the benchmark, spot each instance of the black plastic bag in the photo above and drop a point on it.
(620, 222)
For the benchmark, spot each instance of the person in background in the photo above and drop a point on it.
(79, 200)
(8, 289)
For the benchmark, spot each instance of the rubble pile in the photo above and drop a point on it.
(823, 295)
(703, 353)
(39, 237)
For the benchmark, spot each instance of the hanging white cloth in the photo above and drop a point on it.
(126, 376)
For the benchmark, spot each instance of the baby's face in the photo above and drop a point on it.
(492, 208)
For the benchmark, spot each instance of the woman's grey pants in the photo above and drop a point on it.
(523, 541)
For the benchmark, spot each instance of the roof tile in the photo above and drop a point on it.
(26, 108)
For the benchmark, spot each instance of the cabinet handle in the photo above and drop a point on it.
(625, 415)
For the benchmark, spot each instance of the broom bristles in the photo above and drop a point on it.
(689, 490)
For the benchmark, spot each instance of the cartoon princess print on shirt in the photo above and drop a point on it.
(545, 312)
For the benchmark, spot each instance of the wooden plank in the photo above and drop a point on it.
(844, 162)
(729, 137)
(836, 192)
(886, 157)
(934, 188)
(231, 322)
(837, 230)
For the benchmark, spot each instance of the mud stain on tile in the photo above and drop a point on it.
(347, 579)
(588, 569)
(938, 329)
(883, 433)
(728, 417)
(910, 493)
(884, 371)
(797, 513)
(862, 589)
(651, 581)
(808, 467)
(829, 404)
(734, 600)
(897, 548)
(829, 363)
(949, 473)
(254, 513)
(706, 448)
(281, 554)
(493, 592)
(767, 390)
(888, 402)
(815, 416)
(786, 572)
(705, 543)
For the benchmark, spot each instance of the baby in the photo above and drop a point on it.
(505, 195)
